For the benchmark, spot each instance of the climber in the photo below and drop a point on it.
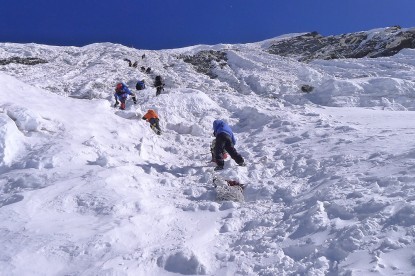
(152, 117)
(225, 141)
(121, 94)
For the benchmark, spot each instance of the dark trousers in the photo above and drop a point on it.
(213, 151)
(154, 124)
(224, 142)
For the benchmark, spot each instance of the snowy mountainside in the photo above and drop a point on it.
(87, 189)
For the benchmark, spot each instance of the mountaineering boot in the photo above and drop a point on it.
(242, 164)
(116, 104)
(218, 168)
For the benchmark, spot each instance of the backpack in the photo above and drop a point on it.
(140, 85)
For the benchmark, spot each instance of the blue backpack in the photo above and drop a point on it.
(140, 85)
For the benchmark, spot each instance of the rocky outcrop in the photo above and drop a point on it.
(205, 61)
(25, 61)
(376, 43)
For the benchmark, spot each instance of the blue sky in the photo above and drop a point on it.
(165, 24)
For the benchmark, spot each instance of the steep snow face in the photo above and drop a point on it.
(87, 189)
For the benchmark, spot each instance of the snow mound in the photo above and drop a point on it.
(25, 119)
(184, 262)
(189, 111)
(11, 140)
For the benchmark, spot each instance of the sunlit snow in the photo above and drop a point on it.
(87, 189)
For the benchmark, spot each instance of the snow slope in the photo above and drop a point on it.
(86, 189)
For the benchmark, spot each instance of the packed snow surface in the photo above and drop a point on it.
(87, 189)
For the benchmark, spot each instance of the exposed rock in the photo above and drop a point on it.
(205, 61)
(25, 61)
(307, 88)
(378, 43)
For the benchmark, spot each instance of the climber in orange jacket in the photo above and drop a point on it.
(152, 117)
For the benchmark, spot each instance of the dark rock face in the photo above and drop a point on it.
(205, 61)
(382, 43)
(19, 60)
(307, 88)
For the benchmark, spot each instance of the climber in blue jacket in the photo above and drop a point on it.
(121, 94)
(225, 141)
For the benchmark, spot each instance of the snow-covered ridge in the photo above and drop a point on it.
(91, 71)
(86, 189)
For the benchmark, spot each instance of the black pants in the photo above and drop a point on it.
(154, 124)
(159, 89)
(224, 142)
(213, 151)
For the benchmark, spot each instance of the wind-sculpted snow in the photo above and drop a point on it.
(87, 189)
(11, 140)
